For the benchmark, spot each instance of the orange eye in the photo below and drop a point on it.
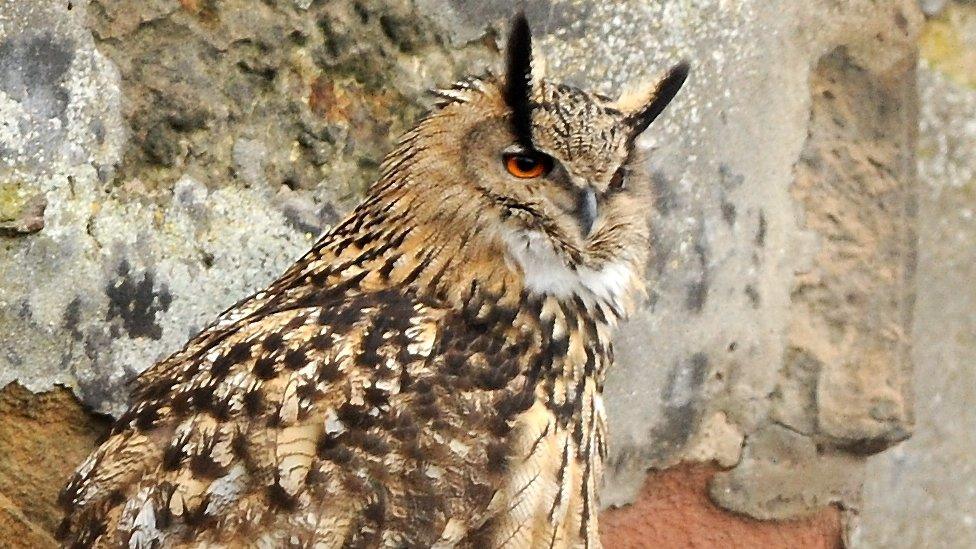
(524, 166)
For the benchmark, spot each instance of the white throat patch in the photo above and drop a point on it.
(545, 272)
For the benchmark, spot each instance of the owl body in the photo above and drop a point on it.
(429, 374)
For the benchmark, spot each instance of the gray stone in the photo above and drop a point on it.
(922, 493)
(785, 475)
(932, 7)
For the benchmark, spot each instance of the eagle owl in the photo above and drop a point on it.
(430, 373)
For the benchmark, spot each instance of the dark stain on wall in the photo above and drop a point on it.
(698, 290)
(135, 302)
(32, 70)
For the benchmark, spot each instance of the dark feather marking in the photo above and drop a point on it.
(558, 347)
(253, 402)
(172, 457)
(326, 443)
(428, 411)
(455, 362)
(413, 450)
(499, 426)
(376, 397)
(157, 389)
(388, 266)
(665, 92)
(369, 356)
(585, 518)
(405, 428)
(538, 440)
(321, 342)
(220, 409)
(265, 367)
(295, 359)
(272, 342)
(90, 530)
(415, 273)
(375, 510)
(516, 496)
(559, 482)
(146, 418)
(497, 455)
(314, 477)
(278, 498)
(492, 379)
(355, 417)
(238, 445)
(599, 313)
(578, 436)
(180, 403)
(296, 322)
(204, 466)
(374, 444)
(164, 516)
(197, 518)
(518, 79)
(307, 391)
(338, 454)
(329, 371)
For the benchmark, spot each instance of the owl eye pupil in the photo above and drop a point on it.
(526, 166)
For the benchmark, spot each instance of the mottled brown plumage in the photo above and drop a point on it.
(430, 373)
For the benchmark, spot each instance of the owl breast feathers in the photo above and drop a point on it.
(430, 373)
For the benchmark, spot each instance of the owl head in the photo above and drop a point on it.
(542, 174)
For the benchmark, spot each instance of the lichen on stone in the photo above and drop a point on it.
(948, 42)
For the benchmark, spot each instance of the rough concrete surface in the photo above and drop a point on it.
(923, 493)
(159, 160)
(43, 436)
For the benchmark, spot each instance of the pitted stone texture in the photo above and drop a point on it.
(271, 95)
(785, 474)
(921, 493)
(43, 437)
(947, 42)
(846, 370)
(152, 181)
(59, 97)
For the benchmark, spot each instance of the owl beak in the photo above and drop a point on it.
(586, 210)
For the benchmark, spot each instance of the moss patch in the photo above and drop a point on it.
(948, 43)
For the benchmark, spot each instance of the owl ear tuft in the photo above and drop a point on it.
(518, 78)
(653, 105)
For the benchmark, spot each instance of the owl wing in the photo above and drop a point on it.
(316, 423)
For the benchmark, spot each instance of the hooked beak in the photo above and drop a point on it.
(586, 210)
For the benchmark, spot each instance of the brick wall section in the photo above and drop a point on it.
(674, 511)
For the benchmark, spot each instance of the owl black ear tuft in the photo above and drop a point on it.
(663, 94)
(518, 79)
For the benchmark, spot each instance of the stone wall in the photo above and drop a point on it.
(161, 159)
(920, 493)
